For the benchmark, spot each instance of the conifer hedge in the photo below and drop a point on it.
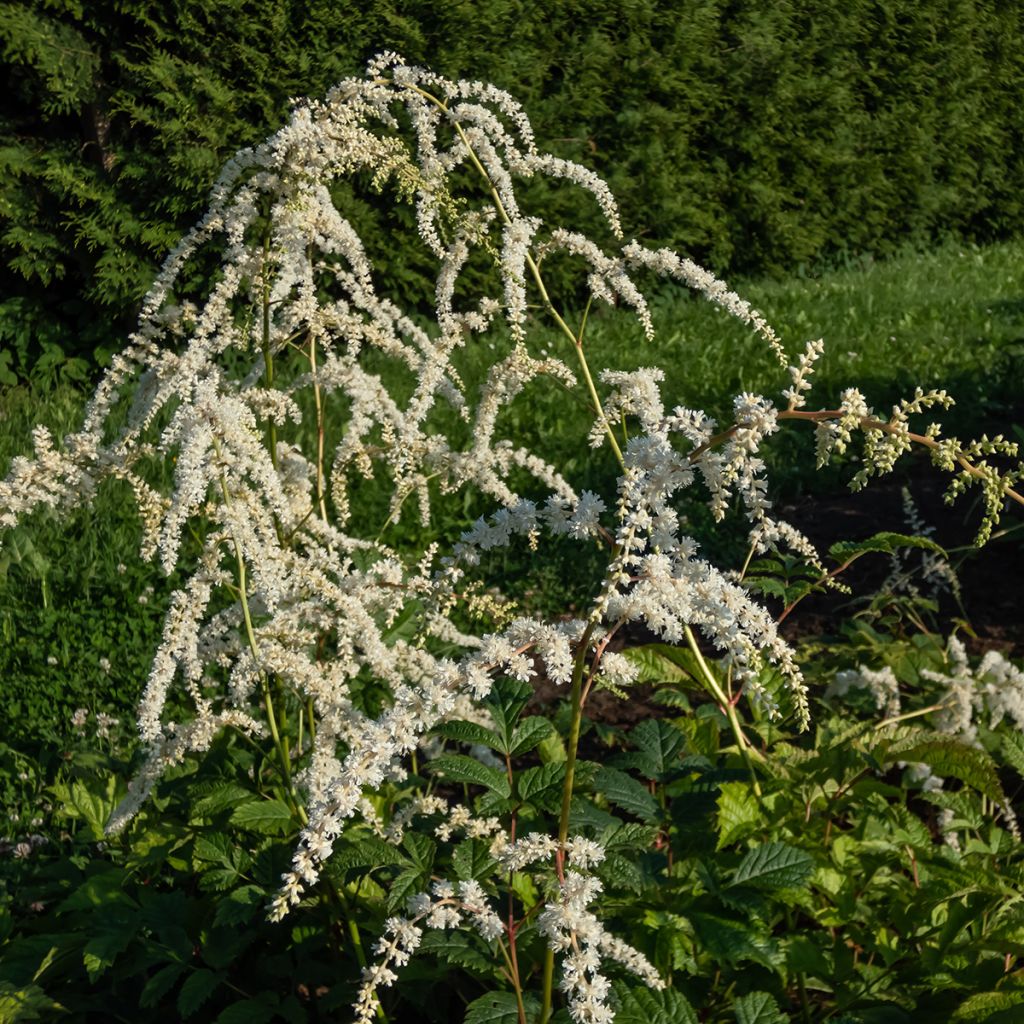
(758, 137)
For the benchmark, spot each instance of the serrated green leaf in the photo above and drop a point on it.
(661, 743)
(457, 948)
(498, 1008)
(460, 768)
(198, 987)
(247, 1011)
(948, 756)
(885, 543)
(738, 813)
(368, 852)
(662, 663)
(471, 859)
(421, 849)
(506, 702)
(213, 848)
(113, 938)
(644, 1006)
(730, 940)
(625, 792)
(1012, 747)
(769, 586)
(983, 1006)
(224, 796)
(101, 890)
(25, 1002)
(91, 805)
(774, 866)
(619, 871)
(160, 984)
(239, 906)
(529, 733)
(541, 786)
(552, 749)
(470, 732)
(758, 1008)
(266, 817)
(407, 883)
(629, 835)
(584, 814)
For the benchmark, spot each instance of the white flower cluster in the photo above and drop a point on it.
(992, 691)
(445, 906)
(881, 683)
(575, 932)
(910, 565)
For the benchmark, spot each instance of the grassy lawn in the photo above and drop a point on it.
(953, 318)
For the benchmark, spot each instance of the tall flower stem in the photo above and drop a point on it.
(572, 743)
(747, 752)
(534, 268)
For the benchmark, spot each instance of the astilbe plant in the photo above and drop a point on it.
(289, 595)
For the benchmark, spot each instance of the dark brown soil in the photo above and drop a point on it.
(990, 577)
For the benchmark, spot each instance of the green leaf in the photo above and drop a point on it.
(986, 1006)
(265, 817)
(660, 743)
(541, 786)
(93, 806)
(102, 949)
(506, 703)
(460, 768)
(248, 1011)
(774, 866)
(730, 940)
(629, 835)
(222, 797)
(27, 1002)
(947, 756)
(471, 859)
(457, 948)
(644, 1006)
(1012, 746)
(738, 813)
(160, 984)
(239, 906)
(552, 749)
(198, 987)
(498, 1008)
(662, 663)
(885, 543)
(407, 883)
(758, 1008)
(529, 733)
(102, 890)
(620, 871)
(367, 852)
(625, 792)
(421, 849)
(470, 732)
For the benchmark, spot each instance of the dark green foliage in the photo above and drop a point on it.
(754, 136)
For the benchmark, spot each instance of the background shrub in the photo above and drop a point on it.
(755, 137)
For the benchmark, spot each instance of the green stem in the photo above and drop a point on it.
(746, 750)
(576, 701)
(577, 340)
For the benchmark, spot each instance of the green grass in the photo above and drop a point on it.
(949, 318)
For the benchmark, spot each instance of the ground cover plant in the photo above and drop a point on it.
(338, 749)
